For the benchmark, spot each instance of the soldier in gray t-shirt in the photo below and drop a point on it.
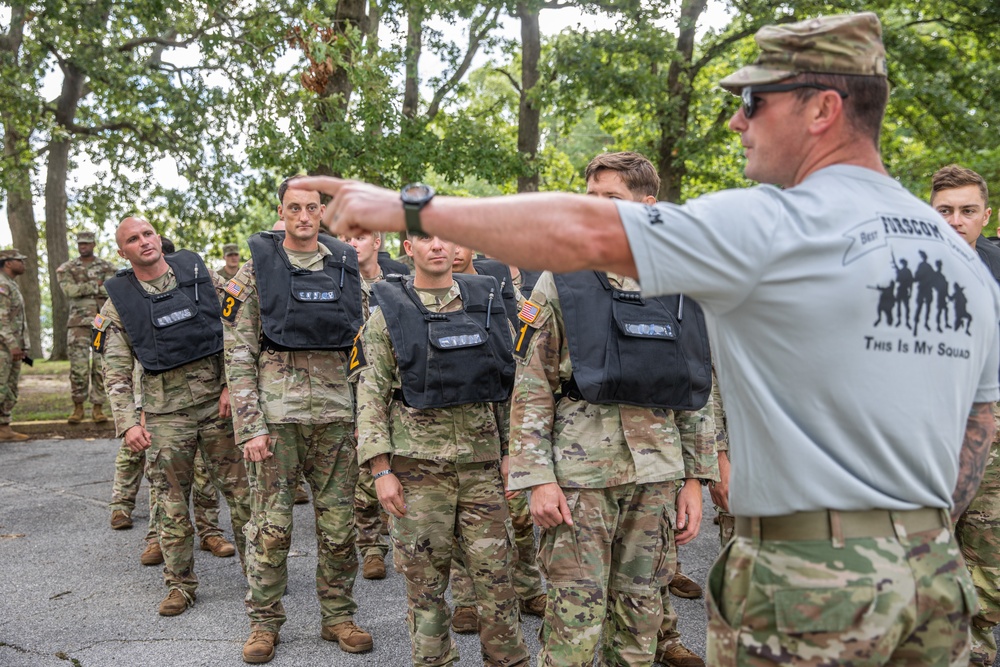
(851, 438)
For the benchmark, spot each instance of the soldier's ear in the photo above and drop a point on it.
(121, 254)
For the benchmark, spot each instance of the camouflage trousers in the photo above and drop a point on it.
(129, 470)
(325, 454)
(604, 575)
(85, 377)
(524, 572)
(10, 375)
(446, 500)
(903, 600)
(369, 518)
(978, 534)
(176, 437)
(668, 628)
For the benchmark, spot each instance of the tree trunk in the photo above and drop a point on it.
(673, 123)
(528, 112)
(55, 201)
(23, 231)
(414, 45)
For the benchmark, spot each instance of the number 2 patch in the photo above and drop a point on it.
(357, 361)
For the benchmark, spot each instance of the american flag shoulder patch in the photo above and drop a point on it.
(529, 312)
(235, 288)
(99, 321)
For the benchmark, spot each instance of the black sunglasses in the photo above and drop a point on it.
(748, 92)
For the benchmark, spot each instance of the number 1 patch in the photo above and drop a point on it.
(522, 342)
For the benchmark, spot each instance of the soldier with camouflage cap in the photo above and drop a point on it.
(13, 338)
(290, 316)
(231, 255)
(163, 315)
(435, 442)
(847, 454)
(82, 281)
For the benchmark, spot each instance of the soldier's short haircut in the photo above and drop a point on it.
(282, 189)
(864, 106)
(636, 171)
(955, 176)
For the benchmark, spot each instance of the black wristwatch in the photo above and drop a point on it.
(415, 196)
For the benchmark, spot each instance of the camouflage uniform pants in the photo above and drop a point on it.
(445, 499)
(525, 573)
(978, 533)
(84, 367)
(176, 437)
(129, 469)
(10, 375)
(325, 454)
(369, 517)
(864, 601)
(605, 572)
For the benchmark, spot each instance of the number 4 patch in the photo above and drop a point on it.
(99, 333)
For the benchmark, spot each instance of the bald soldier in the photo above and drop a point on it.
(847, 455)
(163, 314)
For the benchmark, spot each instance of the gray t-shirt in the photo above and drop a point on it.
(832, 402)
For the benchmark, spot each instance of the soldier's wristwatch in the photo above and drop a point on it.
(415, 196)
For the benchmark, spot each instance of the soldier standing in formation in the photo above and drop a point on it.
(961, 196)
(436, 446)
(290, 315)
(231, 255)
(614, 438)
(82, 281)
(13, 339)
(163, 314)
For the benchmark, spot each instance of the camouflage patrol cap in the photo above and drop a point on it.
(11, 253)
(85, 237)
(230, 249)
(842, 44)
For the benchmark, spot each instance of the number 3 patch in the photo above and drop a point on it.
(230, 306)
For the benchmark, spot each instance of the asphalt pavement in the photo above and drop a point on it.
(72, 591)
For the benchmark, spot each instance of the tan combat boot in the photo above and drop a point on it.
(535, 606)
(77, 415)
(260, 647)
(219, 546)
(350, 637)
(176, 602)
(97, 412)
(9, 435)
(678, 655)
(301, 497)
(465, 620)
(373, 567)
(120, 520)
(152, 554)
(683, 587)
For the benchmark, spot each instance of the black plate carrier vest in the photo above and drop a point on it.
(448, 359)
(652, 353)
(390, 266)
(491, 267)
(302, 309)
(528, 281)
(176, 327)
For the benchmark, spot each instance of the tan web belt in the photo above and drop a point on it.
(836, 525)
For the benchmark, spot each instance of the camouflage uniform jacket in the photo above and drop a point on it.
(462, 434)
(224, 273)
(162, 393)
(296, 387)
(13, 325)
(83, 285)
(585, 445)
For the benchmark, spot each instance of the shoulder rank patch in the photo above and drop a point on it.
(357, 362)
(522, 340)
(235, 288)
(529, 312)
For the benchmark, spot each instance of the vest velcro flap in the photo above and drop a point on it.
(172, 308)
(450, 335)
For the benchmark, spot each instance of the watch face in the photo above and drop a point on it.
(416, 193)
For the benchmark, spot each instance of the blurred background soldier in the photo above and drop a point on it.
(13, 339)
(231, 253)
(82, 281)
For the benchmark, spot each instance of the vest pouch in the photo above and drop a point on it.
(646, 330)
(314, 287)
(456, 346)
(453, 335)
(172, 308)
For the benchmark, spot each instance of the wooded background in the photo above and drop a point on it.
(242, 94)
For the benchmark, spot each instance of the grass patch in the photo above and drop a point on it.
(43, 393)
